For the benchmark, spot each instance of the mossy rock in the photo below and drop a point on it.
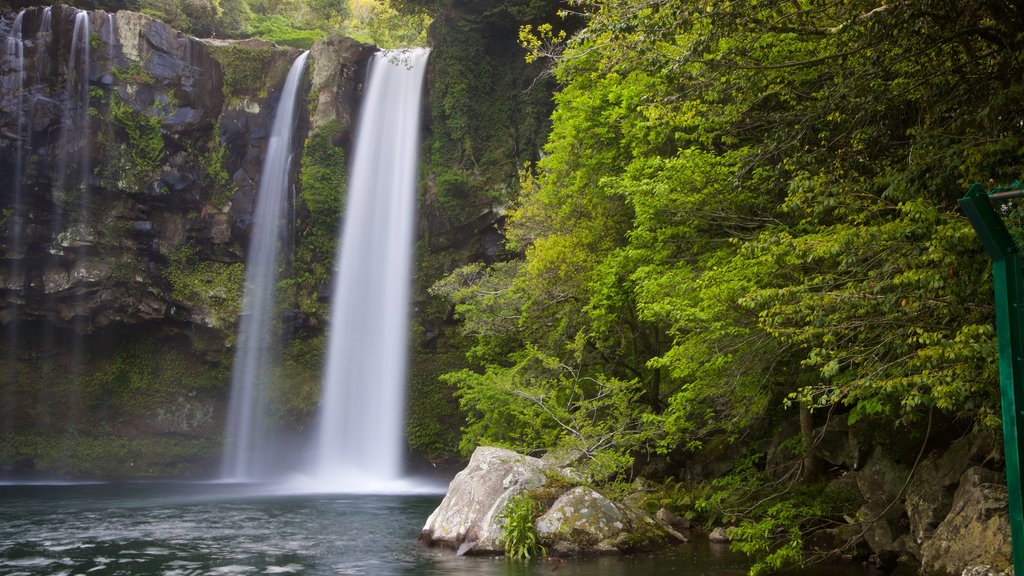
(583, 521)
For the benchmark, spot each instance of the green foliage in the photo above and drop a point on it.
(518, 535)
(383, 23)
(134, 73)
(216, 180)
(246, 69)
(541, 403)
(321, 192)
(281, 30)
(196, 17)
(136, 155)
(770, 520)
(740, 206)
(210, 289)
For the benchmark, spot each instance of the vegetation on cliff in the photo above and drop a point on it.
(746, 210)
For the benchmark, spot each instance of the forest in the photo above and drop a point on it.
(724, 226)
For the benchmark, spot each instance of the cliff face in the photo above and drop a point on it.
(129, 159)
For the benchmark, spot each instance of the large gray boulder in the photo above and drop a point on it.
(977, 530)
(467, 517)
(579, 520)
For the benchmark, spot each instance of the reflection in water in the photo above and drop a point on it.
(193, 529)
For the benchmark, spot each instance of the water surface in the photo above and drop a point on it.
(193, 529)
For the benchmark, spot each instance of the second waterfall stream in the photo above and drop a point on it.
(360, 434)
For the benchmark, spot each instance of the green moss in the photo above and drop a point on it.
(321, 193)
(246, 70)
(209, 288)
(297, 381)
(134, 73)
(134, 156)
(106, 456)
(216, 180)
(433, 419)
(146, 372)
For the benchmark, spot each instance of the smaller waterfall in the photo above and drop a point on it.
(16, 55)
(360, 440)
(111, 39)
(15, 52)
(245, 453)
(73, 166)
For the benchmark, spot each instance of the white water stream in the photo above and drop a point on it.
(248, 453)
(360, 437)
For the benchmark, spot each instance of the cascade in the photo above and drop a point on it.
(15, 54)
(245, 455)
(359, 443)
(74, 139)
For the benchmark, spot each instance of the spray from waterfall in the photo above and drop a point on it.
(246, 455)
(360, 437)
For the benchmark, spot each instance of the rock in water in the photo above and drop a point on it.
(467, 517)
(580, 521)
(584, 521)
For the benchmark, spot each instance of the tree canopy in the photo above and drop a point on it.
(741, 207)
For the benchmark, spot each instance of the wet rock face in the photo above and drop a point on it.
(111, 168)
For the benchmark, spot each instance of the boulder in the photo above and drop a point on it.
(579, 520)
(879, 518)
(976, 532)
(719, 535)
(467, 517)
(930, 492)
(676, 522)
(585, 521)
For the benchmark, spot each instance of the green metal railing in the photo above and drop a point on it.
(1004, 250)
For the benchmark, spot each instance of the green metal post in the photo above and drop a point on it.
(1009, 300)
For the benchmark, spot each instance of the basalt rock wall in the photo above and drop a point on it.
(129, 161)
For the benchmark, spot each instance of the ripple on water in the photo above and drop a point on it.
(286, 569)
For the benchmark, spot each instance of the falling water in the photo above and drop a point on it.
(15, 54)
(110, 39)
(360, 437)
(245, 455)
(74, 126)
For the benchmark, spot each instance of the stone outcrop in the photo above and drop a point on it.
(975, 532)
(944, 512)
(579, 520)
(584, 521)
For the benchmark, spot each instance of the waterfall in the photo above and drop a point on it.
(245, 454)
(75, 123)
(360, 436)
(15, 54)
